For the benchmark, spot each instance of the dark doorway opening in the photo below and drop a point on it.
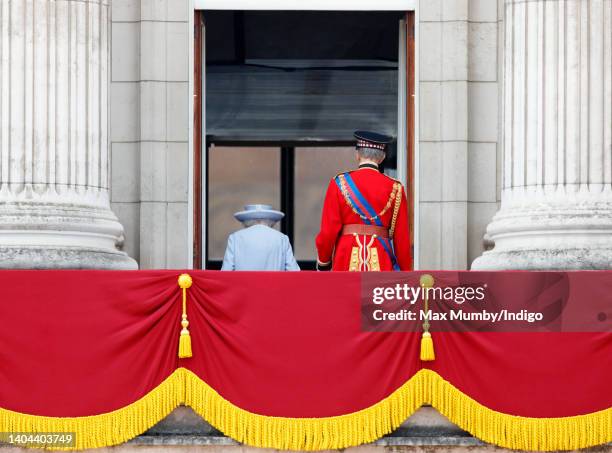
(282, 93)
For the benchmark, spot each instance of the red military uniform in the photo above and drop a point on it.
(356, 251)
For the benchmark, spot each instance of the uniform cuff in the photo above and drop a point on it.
(323, 266)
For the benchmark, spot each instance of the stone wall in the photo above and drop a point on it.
(459, 118)
(150, 128)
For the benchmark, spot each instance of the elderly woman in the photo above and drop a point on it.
(259, 247)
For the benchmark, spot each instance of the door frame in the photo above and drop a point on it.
(197, 114)
(303, 5)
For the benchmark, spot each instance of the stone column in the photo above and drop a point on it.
(556, 206)
(54, 203)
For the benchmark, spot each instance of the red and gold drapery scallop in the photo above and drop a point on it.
(280, 360)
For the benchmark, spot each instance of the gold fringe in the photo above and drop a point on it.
(514, 432)
(367, 425)
(285, 433)
(364, 426)
(106, 429)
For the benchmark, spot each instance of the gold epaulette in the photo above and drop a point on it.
(342, 173)
(392, 178)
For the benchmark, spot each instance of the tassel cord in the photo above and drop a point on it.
(185, 351)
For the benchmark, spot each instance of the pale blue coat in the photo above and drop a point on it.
(259, 248)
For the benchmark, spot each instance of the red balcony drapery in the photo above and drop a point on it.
(280, 360)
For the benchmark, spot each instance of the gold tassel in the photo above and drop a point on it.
(184, 352)
(427, 347)
(185, 344)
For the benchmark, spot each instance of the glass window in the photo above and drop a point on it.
(314, 168)
(238, 176)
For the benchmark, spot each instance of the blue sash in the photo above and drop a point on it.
(358, 201)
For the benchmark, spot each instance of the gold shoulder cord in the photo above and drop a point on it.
(395, 195)
(398, 201)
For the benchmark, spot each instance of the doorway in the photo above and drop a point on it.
(279, 97)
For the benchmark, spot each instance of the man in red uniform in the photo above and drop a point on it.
(364, 225)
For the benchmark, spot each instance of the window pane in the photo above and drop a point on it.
(314, 168)
(238, 176)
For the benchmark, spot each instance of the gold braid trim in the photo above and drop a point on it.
(398, 202)
(325, 433)
(392, 196)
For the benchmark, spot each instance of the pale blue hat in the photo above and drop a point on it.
(258, 212)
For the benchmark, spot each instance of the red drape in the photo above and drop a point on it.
(77, 343)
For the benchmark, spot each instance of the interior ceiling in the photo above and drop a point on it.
(234, 36)
(300, 76)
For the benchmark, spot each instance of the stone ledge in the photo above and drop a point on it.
(426, 427)
(394, 440)
(424, 422)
